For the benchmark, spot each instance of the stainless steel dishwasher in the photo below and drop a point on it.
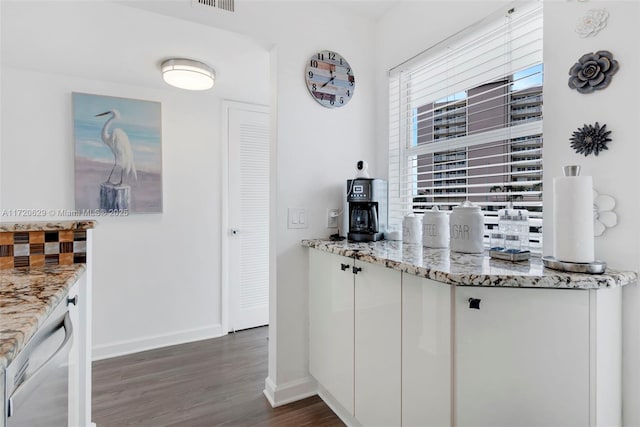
(37, 379)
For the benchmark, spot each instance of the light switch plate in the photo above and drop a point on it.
(296, 218)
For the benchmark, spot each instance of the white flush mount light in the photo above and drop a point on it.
(188, 74)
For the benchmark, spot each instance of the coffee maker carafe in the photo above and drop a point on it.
(367, 199)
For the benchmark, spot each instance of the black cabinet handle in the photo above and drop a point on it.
(73, 300)
(474, 303)
(344, 267)
(356, 270)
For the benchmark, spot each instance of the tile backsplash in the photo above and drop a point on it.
(42, 248)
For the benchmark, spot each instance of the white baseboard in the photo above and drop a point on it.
(122, 348)
(337, 408)
(279, 395)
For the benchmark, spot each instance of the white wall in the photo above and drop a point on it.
(156, 277)
(615, 171)
(317, 149)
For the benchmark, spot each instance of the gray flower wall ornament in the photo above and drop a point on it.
(593, 71)
(592, 22)
(590, 139)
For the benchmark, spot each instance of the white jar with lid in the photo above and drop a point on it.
(435, 229)
(412, 228)
(466, 229)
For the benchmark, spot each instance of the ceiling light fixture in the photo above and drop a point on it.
(188, 74)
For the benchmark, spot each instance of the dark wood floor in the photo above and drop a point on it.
(216, 382)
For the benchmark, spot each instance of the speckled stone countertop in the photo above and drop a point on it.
(47, 226)
(469, 269)
(27, 296)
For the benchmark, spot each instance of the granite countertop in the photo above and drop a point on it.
(47, 225)
(461, 269)
(27, 297)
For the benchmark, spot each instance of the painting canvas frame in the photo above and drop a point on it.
(118, 154)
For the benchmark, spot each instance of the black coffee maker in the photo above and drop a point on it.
(367, 199)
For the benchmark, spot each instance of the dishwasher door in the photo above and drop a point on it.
(38, 378)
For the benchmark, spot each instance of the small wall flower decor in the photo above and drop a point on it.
(590, 139)
(592, 22)
(593, 71)
(603, 215)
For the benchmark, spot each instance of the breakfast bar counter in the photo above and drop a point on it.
(27, 296)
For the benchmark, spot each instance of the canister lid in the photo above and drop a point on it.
(467, 206)
(435, 211)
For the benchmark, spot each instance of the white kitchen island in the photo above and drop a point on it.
(402, 335)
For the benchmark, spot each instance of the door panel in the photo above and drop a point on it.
(248, 258)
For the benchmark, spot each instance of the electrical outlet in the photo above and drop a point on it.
(332, 218)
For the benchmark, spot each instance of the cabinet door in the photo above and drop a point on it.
(522, 358)
(426, 352)
(331, 324)
(377, 345)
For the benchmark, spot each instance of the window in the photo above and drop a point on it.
(466, 122)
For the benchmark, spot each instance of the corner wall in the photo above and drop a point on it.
(615, 171)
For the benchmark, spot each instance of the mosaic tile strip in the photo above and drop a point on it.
(42, 248)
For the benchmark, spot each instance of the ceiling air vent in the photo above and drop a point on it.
(220, 4)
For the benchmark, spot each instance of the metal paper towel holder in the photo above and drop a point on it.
(594, 267)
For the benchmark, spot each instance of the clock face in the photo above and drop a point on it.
(330, 79)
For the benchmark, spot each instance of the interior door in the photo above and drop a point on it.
(248, 215)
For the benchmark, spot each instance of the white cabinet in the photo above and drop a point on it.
(394, 349)
(331, 324)
(426, 352)
(527, 357)
(377, 345)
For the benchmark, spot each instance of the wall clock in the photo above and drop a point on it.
(330, 79)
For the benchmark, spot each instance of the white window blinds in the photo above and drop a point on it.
(466, 121)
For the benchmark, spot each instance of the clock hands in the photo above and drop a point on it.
(330, 80)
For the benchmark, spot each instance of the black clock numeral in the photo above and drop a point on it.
(310, 74)
(351, 83)
(348, 92)
(341, 62)
(332, 101)
(341, 100)
(332, 56)
(314, 63)
(321, 56)
(314, 87)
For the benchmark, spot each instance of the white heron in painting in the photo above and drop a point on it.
(118, 141)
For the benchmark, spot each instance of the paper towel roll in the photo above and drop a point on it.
(573, 219)
(412, 229)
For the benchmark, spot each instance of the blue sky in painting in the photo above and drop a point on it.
(141, 120)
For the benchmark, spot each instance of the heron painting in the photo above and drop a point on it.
(118, 154)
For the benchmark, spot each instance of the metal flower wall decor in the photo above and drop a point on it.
(592, 22)
(590, 139)
(593, 71)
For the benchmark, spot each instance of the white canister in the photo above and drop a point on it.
(435, 229)
(466, 229)
(412, 229)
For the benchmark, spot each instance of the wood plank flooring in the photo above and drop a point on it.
(215, 382)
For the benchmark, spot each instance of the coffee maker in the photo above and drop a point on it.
(367, 198)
